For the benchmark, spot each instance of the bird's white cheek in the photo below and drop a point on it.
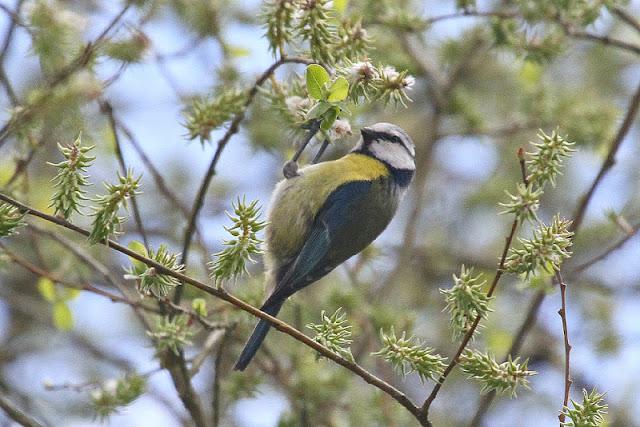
(394, 154)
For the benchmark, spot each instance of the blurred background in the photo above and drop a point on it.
(484, 87)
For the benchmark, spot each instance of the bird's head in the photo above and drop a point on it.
(389, 144)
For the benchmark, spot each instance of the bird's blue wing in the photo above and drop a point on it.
(333, 218)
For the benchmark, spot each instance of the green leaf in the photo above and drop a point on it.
(137, 247)
(317, 77)
(71, 294)
(338, 90)
(239, 51)
(199, 305)
(329, 118)
(47, 289)
(318, 110)
(62, 317)
(340, 5)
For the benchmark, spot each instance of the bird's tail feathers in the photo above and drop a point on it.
(259, 333)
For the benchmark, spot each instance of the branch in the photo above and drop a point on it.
(107, 109)
(278, 324)
(234, 127)
(610, 159)
(526, 325)
(625, 16)
(424, 410)
(536, 301)
(17, 414)
(81, 61)
(606, 40)
(587, 264)
(470, 14)
(567, 347)
(40, 272)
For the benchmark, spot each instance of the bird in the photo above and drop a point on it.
(328, 213)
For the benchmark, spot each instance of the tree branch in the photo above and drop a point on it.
(567, 347)
(424, 410)
(234, 127)
(536, 301)
(278, 324)
(17, 414)
(61, 77)
(106, 108)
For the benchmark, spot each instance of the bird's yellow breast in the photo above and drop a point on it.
(296, 201)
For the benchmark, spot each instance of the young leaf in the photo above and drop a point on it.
(199, 305)
(317, 77)
(318, 110)
(329, 118)
(47, 289)
(338, 90)
(137, 247)
(62, 317)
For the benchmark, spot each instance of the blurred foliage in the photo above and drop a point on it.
(476, 90)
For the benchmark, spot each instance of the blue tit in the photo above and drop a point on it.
(330, 212)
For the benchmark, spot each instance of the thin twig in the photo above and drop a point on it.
(106, 108)
(471, 14)
(610, 159)
(6, 44)
(567, 347)
(290, 169)
(234, 127)
(578, 216)
(606, 40)
(40, 272)
(61, 77)
(155, 173)
(17, 414)
(217, 378)
(278, 324)
(587, 264)
(467, 337)
(321, 151)
(526, 325)
(626, 17)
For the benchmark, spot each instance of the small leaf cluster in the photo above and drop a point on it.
(334, 333)
(525, 203)
(115, 394)
(278, 16)
(354, 41)
(408, 355)
(404, 20)
(231, 261)
(55, 33)
(106, 221)
(384, 83)
(466, 300)
(149, 281)
(502, 377)
(546, 161)
(205, 115)
(546, 250)
(71, 179)
(128, 50)
(171, 334)
(589, 413)
(315, 26)
(58, 297)
(328, 93)
(10, 219)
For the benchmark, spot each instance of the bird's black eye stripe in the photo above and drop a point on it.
(385, 136)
